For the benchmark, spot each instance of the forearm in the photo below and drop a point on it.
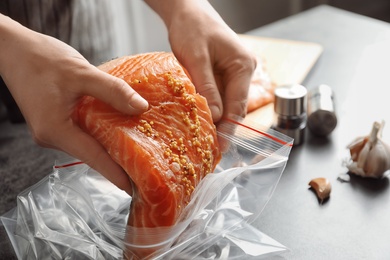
(18, 46)
(9, 30)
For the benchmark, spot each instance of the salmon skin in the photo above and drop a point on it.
(167, 150)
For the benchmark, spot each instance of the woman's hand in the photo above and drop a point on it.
(47, 78)
(220, 67)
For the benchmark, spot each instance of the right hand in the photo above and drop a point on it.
(47, 78)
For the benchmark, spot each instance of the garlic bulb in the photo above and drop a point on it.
(370, 155)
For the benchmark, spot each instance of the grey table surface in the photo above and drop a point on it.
(354, 222)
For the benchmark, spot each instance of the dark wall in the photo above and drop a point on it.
(245, 15)
(379, 9)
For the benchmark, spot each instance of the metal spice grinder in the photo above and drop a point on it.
(290, 111)
(322, 119)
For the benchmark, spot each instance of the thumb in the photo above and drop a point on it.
(206, 85)
(115, 92)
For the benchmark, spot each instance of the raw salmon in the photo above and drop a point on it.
(167, 150)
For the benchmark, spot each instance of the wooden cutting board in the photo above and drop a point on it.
(287, 62)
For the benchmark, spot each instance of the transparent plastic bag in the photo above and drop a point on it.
(75, 213)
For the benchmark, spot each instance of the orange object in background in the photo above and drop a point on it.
(261, 89)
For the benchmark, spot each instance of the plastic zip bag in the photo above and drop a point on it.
(75, 213)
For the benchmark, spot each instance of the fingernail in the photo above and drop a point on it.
(139, 103)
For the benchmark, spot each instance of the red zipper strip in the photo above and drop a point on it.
(67, 165)
(260, 132)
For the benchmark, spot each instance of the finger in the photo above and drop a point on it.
(235, 99)
(201, 72)
(238, 79)
(115, 92)
(82, 146)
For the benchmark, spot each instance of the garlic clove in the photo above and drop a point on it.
(370, 155)
(322, 188)
(356, 146)
(363, 155)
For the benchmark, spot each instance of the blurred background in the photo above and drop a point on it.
(148, 33)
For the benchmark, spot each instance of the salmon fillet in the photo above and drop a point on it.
(167, 150)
